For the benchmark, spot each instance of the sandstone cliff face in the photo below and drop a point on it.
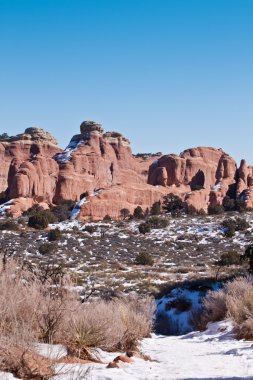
(205, 171)
(34, 170)
(96, 160)
(27, 167)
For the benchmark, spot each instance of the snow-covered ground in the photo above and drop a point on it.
(213, 354)
(210, 355)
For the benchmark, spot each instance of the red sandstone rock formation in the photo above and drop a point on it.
(34, 170)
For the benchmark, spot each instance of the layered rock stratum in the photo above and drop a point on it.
(99, 167)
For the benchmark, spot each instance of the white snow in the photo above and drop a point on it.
(76, 210)
(7, 376)
(50, 351)
(217, 187)
(5, 206)
(66, 155)
(213, 354)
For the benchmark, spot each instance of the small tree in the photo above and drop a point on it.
(248, 255)
(124, 213)
(215, 210)
(138, 213)
(229, 258)
(192, 210)
(156, 208)
(46, 248)
(39, 221)
(144, 228)
(54, 235)
(228, 203)
(144, 258)
(229, 226)
(172, 203)
(158, 222)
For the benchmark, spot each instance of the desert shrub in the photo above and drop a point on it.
(32, 311)
(201, 212)
(229, 258)
(144, 228)
(191, 210)
(158, 222)
(214, 308)
(62, 211)
(215, 209)
(241, 224)
(229, 203)
(54, 235)
(115, 325)
(240, 205)
(9, 225)
(229, 226)
(90, 229)
(248, 255)
(156, 208)
(38, 221)
(232, 225)
(46, 248)
(144, 258)
(41, 219)
(107, 218)
(235, 301)
(124, 213)
(138, 213)
(35, 209)
(173, 203)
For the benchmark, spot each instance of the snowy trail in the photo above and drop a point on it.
(213, 354)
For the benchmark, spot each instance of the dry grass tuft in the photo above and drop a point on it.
(32, 311)
(234, 301)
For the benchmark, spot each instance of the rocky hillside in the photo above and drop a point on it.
(34, 170)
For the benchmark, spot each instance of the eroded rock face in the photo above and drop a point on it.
(27, 169)
(34, 170)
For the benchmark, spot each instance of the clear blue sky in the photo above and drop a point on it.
(168, 74)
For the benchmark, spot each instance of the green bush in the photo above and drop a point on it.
(38, 221)
(229, 226)
(215, 210)
(35, 209)
(241, 224)
(144, 228)
(232, 225)
(229, 204)
(62, 211)
(138, 213)
(124, 213)
(192, 210)
(54, 235)
(144, 258)
(90, 229)
(156, 208)
(158, 222)
(107, 218)
(229, 258)
(173, 203)
(46, 248)
(9, 225)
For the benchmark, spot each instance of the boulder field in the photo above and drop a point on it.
(100, 167)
